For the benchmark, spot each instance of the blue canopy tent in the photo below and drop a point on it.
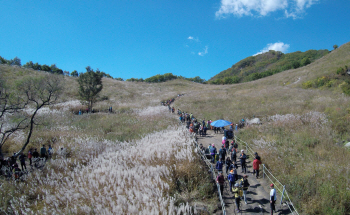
(220, 123)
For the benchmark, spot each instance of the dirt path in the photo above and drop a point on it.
(258, 192)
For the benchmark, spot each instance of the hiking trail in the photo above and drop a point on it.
(258, 192)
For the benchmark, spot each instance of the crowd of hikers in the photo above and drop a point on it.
(9, 166)
(226, 157)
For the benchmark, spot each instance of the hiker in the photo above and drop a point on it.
(256, 164)
(235, 145)
(256, 155)
(236, 191)
(43, 152)
(222, 153)
(234, 168)
(219, 165)
(50, 150)
(221, 181)
(243, 158)
(17, 171)
(212, 153)
(223, 139)
(273, 198)
(231, 179)
(233, 155)
(201, 147)
(205, 130)
(245, 184)
(23, 161)
(30, 156)
(226, 145)
(228, 163)
(200, 130)
(35, 154)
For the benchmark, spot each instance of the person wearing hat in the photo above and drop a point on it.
(235, 191)
(231, 179)
(243, 158)
(245, 185)
(273, 198)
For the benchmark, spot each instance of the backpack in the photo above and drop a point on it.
(240, 193)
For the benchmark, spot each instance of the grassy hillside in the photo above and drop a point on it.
(303, 130)
(266, 64)
(300, 140)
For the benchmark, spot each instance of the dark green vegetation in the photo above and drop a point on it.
(51, 69)
(90, 85)
(266, 64)
(166, 77)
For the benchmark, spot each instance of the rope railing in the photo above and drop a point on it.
(210, 166)
(270, 176)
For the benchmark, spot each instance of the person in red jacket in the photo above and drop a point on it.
(256, 164)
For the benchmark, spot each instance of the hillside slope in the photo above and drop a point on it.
(300, 139)
(266, 64)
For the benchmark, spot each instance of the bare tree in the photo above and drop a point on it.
(33, 92)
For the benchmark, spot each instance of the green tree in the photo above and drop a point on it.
(56, 70)
(3, 60)
(74, 73)
(29, 64)
(90, 84)
(119, 79)
(45, 68)
(305, 61)
(335, 47)
(37, 66)
(15, 62)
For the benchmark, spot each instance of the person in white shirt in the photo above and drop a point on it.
(273, 198)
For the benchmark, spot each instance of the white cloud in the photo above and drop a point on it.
(204, 52)
(194, 39)
(292, 8)
(279, 46)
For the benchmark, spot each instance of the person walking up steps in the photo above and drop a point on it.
(231, 179)
(243, 158)
(222, 153)
(236, 191)
(221, 181)
(233, 155)
(273, 198)
(228, 163)
(245, 185)
(212, 153)
(219, 165)
(256, 164)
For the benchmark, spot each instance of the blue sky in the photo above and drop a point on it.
(140, 38)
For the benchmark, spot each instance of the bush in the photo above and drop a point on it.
(307, 84)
